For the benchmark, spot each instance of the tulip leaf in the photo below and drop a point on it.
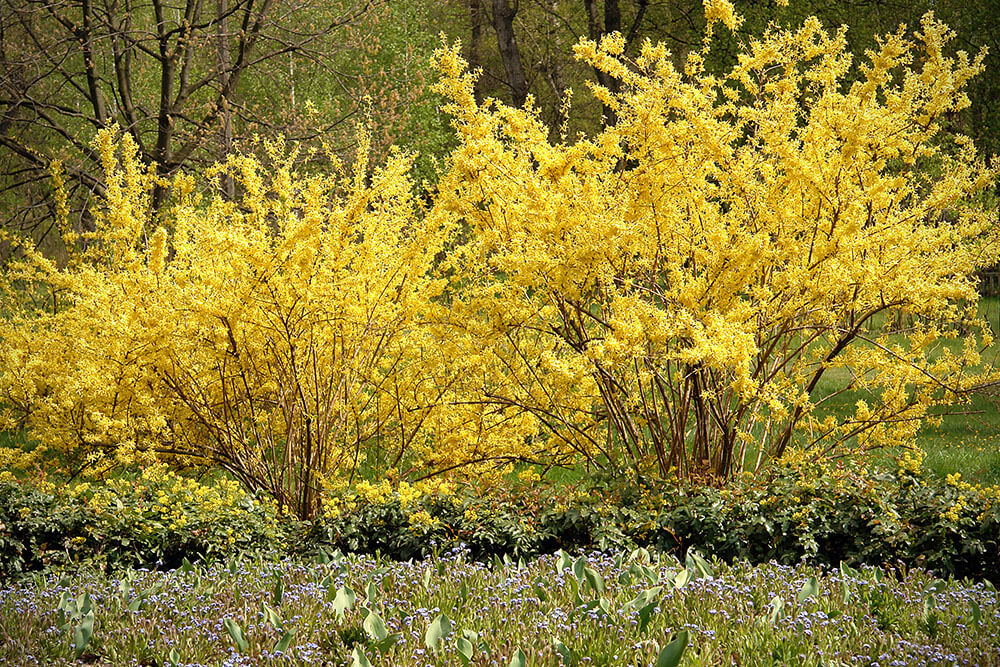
(236, 633)
(672, 653)
(438, 629)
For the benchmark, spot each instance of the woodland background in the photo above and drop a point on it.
(193, 80)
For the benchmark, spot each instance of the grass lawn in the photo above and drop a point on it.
(968, 439)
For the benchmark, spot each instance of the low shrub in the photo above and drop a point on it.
(152, 518)
(804, 511)
(840, 515)
(37, 528)
(414, 521)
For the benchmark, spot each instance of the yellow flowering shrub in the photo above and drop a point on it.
(668, 294)
(273, 335)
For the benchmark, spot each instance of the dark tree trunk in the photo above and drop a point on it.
(503, 22)
(612, 23)
(475, 43)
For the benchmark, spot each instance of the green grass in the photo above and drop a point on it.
(968, 439)
(966, 443)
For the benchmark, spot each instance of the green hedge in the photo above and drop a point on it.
(800, 513)
(154, 519)
(821, 516)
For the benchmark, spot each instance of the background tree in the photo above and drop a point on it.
(192, 80)
(544, 32)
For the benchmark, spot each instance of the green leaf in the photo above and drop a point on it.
(928, 611)
(438, 629)
(935, 586)
(465, 649)
(640, 555)
(359, 659)
(426, 579)
(563, 562)
(777, 610)
(279, 592)
(845, 583)
(565, 654)
(271, 616)
(638, 601)
(174, 658)
(594, 578)
(645, 572)
(344, 601)
(672, 653)
(578, 568)
(645, 614)
(66, 603)
(384, 645)
(463, 592)
(375, 626)
(518, 659)
(186, 566)
(974, 612)
(682, 578)
(809, 589)
(82, 633)
(236, 633)
(284, 642)
(698, 565)
(371, 592)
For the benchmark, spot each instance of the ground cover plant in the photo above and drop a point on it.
(801, 512)
(591, 609)
(152, 518)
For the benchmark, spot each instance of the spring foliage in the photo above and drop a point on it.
(665, 295)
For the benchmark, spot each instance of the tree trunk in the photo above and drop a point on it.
(503, 22)
(226, 181)
(475, 44)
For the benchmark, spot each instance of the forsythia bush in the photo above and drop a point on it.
(272, 335)
(670, 293)
(664, 296)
